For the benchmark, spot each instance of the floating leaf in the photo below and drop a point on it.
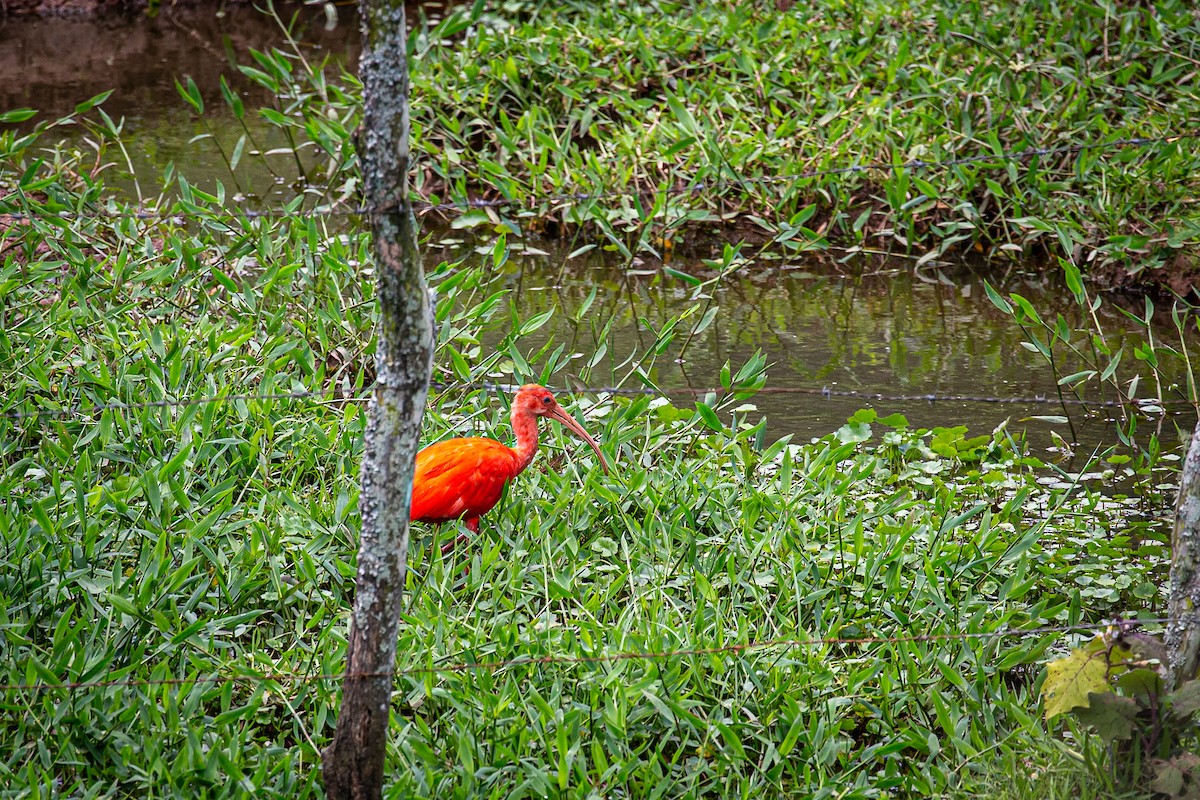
(471, 219)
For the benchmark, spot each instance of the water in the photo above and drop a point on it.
(878, 328)
(53, 64)
(875, 327)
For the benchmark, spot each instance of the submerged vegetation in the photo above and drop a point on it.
(182, 396)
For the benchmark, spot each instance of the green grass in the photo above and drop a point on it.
(1052, 770)
(196, 543)
(215, 540)
(688, 118)
(642, 97)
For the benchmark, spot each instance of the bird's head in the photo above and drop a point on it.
(538, 401)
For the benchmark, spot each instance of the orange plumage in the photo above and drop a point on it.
(464, 478)
(461, 478)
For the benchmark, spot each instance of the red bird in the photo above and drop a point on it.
(463, 478)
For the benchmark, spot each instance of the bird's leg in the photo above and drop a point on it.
(472, 524)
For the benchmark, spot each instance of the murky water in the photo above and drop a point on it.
(53, 64)
(881, 327)
(878, 329)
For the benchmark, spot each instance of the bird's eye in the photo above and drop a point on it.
(547, 400)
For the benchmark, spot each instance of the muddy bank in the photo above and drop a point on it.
(88, 8)
(64, 61)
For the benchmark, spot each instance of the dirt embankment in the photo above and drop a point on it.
(86, 8)
(60, 62)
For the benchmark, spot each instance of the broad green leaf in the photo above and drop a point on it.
(1185, 701)
(709, 417)
(853, 432)
(1140, 683)
(998, 301)
(1074, 279)
(17, 115)
(683, 276)
(92, 102)
(1109, 715)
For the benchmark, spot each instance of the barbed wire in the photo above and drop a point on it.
(1117, 626)
(423, 206)
(87, 411)
(825, 391)
(330, 396)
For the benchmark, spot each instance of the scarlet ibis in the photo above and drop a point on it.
(463, 478)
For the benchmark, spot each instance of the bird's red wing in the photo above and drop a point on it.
(460, 478)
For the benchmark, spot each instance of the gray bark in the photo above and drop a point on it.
(1183, 608)
(353, 763)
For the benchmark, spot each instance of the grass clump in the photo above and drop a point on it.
(209, 549)
(191, 564)
(718, 103)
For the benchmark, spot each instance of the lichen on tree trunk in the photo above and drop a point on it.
(1183, 608)
(353, 763)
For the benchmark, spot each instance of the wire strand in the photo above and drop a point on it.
(1147, 406)
(1122, 626)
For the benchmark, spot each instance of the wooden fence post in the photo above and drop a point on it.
(1183, 607)
(352, 764)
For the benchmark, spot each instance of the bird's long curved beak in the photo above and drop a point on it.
(566, 419)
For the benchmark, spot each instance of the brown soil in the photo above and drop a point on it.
(61, 62)
(87, 8)
(1180, 276)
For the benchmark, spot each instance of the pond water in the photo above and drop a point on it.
(834, 337)
(60, 62)
(876, 326)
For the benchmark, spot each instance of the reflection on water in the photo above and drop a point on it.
(60, 62)
(885, 331)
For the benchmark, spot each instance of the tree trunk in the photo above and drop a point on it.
(353, 763)
(1183, 609)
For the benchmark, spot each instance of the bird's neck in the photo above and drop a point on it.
(526, 429)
